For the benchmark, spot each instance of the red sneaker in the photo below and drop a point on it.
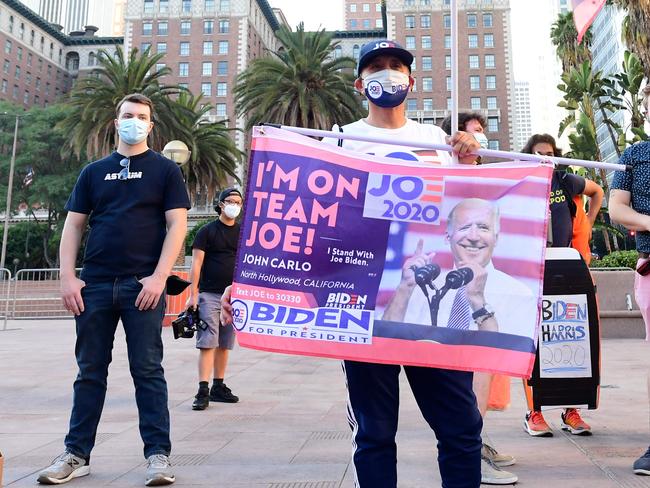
(536, 426)
(572, 422)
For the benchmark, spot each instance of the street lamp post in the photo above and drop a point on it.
(177, 151)
(5, 231)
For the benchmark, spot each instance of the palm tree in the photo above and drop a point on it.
(636, 30)
(303, 83)
(215, 157)
(565, 38)
(93, 99)
(626, 94)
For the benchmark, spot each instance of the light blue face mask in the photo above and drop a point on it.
(133, 131)
(386, 88)
(481, 139)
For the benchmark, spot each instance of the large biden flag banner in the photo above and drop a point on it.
(361, 257)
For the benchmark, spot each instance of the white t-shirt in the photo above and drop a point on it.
(411, 131)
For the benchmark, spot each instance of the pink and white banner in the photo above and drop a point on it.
(360, 257)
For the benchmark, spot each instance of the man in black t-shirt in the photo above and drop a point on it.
(135, 203)
(213, 260)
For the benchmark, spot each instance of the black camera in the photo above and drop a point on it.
(187, 323)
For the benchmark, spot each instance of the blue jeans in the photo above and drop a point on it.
(447, 403)
(105, 304)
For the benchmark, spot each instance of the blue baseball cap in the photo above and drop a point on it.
(384, 47)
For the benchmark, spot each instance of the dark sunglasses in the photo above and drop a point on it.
(124, 174)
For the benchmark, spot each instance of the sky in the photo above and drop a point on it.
(312, 13)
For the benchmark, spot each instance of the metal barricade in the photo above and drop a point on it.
(37, 295)
(5, 295)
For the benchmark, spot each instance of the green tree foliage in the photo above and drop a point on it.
(636, 30)
(565, 39)
(215, 157)
(301, 84)
(55, 172)
(90, 124)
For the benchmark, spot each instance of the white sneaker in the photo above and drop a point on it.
(493, 455)
(64, 468)
(159, 471)
(491, 474)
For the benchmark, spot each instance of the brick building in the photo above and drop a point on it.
(206, 43)
(363, 15)
(39, 62)
(485, 65)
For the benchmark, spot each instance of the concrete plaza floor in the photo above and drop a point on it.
(289, 429)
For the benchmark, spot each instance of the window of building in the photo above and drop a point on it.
(19, 53)
(3, 89)
(222, 89)
(26, 97)
(412, 104)
(410, 42)
(425, 21)
(183, 86)
(490, 82)
(209, 6)
(409, 21)
(17, 73)
(474, 61)
(366, 24)
(206, 89)
(28, 78)
(355, 51)
(163, 28)
(163, 6)
(490, 61)
(222, 68)
(31, 38)
(492, 103)
(184, 69)
(11, 24)
(447, 42)
(378, 23)
(160, 67)
(51, 50)
(206, 69)
(184, 49)
(8, 46)
(493, 144)
(487, 20)
(425, 2)
(427, 104)
(221, 109)
(353, 24)
(224, 26)
(449, 103)
(144, 46)
(29, 59)
(378, 7)
(471, 20)
(409, 3)
(426, 42)
(186, 26)
(488, 40)
(186, 6)
(475, 103)
(207, 48)
(426, 63)
(447, 61)
(14, 92)
(38, 84)
(223, 47)
(148, 6)
(472, 40)
(448, 83)
(208, 26)
(474, 83)
(147, 28)
(414, 63)
(493, 124)
(353, 7)
(6, 66)
(366, 7)
(161, 47)
(446, 21)
(427, 84)
(224, 5)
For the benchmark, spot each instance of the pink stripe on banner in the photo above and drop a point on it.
(375, 164)
(527, 188)
(278, 296)
(507, 226)
(412, 353)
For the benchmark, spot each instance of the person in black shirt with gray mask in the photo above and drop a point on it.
(213, 266)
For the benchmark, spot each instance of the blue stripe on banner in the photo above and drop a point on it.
(445, 335)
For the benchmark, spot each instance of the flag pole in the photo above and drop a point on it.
(491, 153)
(454, 70)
